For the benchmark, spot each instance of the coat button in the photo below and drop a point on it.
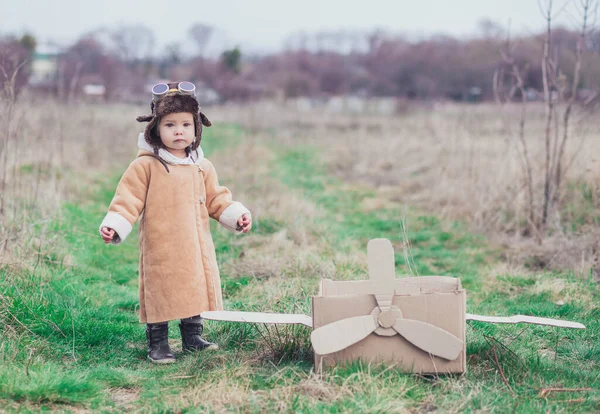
(202, 199)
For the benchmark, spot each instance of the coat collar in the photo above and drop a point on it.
(195, 158)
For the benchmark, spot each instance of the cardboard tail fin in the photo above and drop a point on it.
(525, 319)
(258, 317)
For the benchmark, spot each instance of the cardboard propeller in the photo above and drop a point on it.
(385, 319)
(352, 318)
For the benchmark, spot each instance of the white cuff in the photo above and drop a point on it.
(231, 215)
(119, 224)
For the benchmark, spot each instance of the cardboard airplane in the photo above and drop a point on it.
(417, 323)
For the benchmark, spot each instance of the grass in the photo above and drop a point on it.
(71, 340)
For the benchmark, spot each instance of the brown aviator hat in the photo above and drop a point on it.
(173, 99)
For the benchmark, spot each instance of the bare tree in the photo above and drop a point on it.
(588, 8)
(9, 82)
(559, 93)
(549, 99)
(489, 28)
(202, 34)
(133, 43)
(556, 88)
(516, 74)
(13, 54)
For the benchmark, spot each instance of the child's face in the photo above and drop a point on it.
(177, 132)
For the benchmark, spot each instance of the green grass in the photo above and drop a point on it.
(71, 339)
(436, 248)
(581, 206)
(448, 249)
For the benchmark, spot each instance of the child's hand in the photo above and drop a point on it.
(245, 223)
(107, 234)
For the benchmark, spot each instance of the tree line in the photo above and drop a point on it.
(371, 64)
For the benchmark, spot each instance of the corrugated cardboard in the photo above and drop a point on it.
(525, 319)
(258, 317)
(444, 310)
(300, 319)
(420, 325)
(416, 323)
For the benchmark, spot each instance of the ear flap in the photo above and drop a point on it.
(150, 133)
(144, 118)
(204, 120)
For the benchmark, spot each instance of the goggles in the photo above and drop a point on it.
(160, 90)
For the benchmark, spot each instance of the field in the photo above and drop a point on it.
(319, 185)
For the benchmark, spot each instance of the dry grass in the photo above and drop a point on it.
(52, 153)
(282, 261)
(459, 162)
(124, 398)
(231, 390)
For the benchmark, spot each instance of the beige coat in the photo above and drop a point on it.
(178, 273)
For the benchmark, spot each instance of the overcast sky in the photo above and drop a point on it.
(263, 25)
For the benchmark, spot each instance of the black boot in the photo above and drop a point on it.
(159, 351)
(191, 329)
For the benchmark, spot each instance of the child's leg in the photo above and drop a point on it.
(191, 329)
(158, 343)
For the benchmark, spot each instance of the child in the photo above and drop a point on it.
(175, 190)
